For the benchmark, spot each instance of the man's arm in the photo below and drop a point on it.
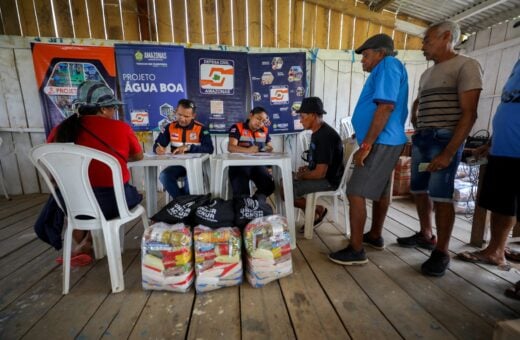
(413, 118)
(381, 116)
(234, 147)
(468, 102)
(162, 141)
(318, 173)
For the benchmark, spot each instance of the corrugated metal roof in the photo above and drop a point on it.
(472, 15)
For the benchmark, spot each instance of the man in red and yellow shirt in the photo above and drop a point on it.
(251, 136)
(185, 135)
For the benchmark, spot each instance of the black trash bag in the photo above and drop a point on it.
(181, 209)
(49, 225)
(248, 208)
(217, 213)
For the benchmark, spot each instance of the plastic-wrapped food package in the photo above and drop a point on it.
(167, 257)
(268, 248)
(217, 258)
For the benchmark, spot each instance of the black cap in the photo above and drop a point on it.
(516, 24)
(312, 105)
(377, 41)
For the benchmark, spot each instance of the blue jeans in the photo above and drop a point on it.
(426, 145)
(169, 177)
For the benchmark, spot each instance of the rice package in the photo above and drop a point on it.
(268, 247)
(217, 258)
(167, 258)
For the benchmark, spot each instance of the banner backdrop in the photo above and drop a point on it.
(152, 80)
(60, 69)
(278, 85)
(217, 82)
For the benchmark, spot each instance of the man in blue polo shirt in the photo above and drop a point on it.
(378, 121)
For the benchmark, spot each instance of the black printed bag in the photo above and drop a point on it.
(181, 209)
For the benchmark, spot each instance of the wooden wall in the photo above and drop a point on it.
(327, 24)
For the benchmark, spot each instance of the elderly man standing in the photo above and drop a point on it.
(443, 115)
(378, 121)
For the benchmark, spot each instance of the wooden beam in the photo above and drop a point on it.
(476, 9)
(381, 5)
(348, 7)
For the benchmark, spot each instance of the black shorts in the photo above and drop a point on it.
(500, 191)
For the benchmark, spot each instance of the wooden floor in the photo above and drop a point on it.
(387, 298)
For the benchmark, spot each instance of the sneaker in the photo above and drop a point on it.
(349, 257)
(437, 264)
(417, 240)
(377, 243)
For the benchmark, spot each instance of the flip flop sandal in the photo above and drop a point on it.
(322, 216)
(79, 260)
(513, 292)
(476, 257)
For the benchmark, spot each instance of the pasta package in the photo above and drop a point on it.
(268, 249)
(167, 258)
(218, 260)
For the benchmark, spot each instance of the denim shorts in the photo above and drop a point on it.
(426, 145)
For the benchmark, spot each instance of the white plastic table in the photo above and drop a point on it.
(282, 169)
(193, 162)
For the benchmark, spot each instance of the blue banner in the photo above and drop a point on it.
(278, 85)
(152, 80)
(217, 83)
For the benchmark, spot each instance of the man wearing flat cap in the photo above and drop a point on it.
(378, 121)
(324, 157)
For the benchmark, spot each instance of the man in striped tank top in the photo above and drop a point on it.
(443, 115)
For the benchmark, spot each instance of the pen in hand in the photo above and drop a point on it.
(159, 149)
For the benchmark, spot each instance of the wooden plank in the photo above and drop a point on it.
(298, 22)
(28, 18)
(362, 318)
(269, 23)
(373, 29)
(79, 13)
(284, 22)
(223, 305)
(482, 38)
(361, 33)
(356, 9)
(63, 18)
(335, 30)
(321, 21)
(413, 43)
(459, 319)
(254, 22)
(224, 22)
(119, 312)
(210, 21)
(399, 40)
(164, 22)
(45, 21)
(131, 20)
(15, 224)
(498, 33)
(194, 20)
(22, 256)
(179, 22)
(113, 19)
(309, 25)
(347, 38)
(64, 317)
(312, 315)
(97, 27)
(476, 278)
(263, 313)
(10, 17)
(240, 22)
(407, 316)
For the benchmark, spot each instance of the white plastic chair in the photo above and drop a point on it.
(67, 165)
(349, 147)
(346, 129)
